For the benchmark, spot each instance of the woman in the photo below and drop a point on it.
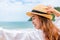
(42, 20)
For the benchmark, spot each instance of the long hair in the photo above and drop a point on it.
(49, 29)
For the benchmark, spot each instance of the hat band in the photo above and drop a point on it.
(38, 12)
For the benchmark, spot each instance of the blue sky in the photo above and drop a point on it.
(15, 10)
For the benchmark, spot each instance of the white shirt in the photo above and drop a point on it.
(57, 22)
(21, 35)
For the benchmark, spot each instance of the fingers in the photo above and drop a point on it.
(50, 6)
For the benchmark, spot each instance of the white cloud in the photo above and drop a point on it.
(33, 1)
(12, 10)
(51, 2)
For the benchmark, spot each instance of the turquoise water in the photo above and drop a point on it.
(16, 25)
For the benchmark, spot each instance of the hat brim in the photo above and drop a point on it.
(44, 15)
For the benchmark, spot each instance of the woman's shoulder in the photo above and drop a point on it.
(57, 17)
(36, 34)
(57, 22)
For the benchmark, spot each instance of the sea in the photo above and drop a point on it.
(16, 25)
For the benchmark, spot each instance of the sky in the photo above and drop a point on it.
(15, 10)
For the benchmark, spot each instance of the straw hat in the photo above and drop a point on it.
(39, 10)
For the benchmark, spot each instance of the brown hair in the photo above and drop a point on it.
(49, 29)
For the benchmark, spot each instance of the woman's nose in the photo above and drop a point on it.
(33, 22)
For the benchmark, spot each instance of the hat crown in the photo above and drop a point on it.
(41, 8)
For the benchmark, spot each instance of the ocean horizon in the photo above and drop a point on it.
(16, 25)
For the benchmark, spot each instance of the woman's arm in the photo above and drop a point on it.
(54, 11)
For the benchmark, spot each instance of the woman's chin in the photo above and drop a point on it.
(37, 27)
